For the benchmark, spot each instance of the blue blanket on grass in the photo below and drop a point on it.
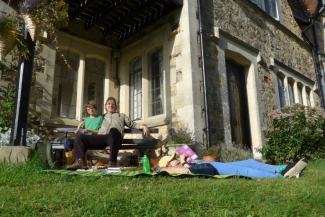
(246, 168)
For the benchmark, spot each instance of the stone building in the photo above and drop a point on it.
(206, 66)
(257, 61)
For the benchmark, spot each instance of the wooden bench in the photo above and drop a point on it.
(55, 148)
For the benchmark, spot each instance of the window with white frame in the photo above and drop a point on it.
(65, 84)
(136, 88)
(292, 89)
(156, 80)
(269, 6)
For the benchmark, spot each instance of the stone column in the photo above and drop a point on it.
(295, 92)
(80, 87)
(304, 96)
(107, 87)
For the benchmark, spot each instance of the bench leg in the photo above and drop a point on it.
(52, 156)
(141, 152)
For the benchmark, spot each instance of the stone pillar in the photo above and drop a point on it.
(304, 96)
(254, 111)
(80, 87)
(107, 81)
(295, 92)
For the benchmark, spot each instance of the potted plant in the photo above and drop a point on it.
(181, 136)
(177, 138)
(213, 153)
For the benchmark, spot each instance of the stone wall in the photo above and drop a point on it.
(272, 39)
(251, 25)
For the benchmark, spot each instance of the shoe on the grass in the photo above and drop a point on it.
(78, 164)
(296, 169)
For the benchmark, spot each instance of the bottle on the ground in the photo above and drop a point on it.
(146, 164)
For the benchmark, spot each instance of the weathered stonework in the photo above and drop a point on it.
(14, 154)
(250, 26)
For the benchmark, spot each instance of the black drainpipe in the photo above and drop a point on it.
(320, 74)
(23, 86)
(202, 40)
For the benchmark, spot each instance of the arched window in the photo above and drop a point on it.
(65, 84)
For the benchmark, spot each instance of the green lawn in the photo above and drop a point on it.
(24, 191)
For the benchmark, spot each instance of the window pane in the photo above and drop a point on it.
(94, 82)
(271, 7)
(281, 92)
(65, 84)
(300, 94)
(136, 89)
(308, 97)
(258, 2)
(291, 96)
(156, 75)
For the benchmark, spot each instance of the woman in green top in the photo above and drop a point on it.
(90, 124)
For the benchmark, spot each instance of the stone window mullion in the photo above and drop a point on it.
(295, 92)
(304, 96)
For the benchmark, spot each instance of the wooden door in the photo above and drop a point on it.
(239, 117)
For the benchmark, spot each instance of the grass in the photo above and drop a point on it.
(24, 191)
